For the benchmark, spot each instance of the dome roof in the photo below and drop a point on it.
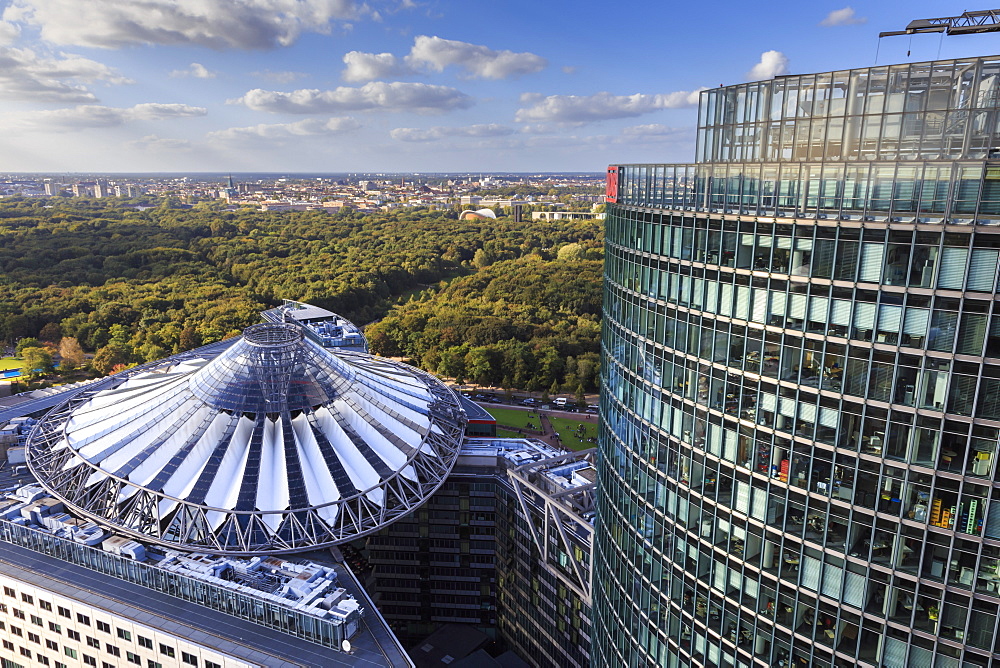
(275, 445)
(480, 213)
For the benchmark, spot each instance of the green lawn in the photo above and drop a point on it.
(510, 417)
(503, 433)
(8, 363)
(569, 432)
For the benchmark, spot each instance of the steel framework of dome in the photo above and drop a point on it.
(275, 445)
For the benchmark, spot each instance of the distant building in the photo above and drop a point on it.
(481, 214)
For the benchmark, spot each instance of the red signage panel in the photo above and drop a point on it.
(611, 191)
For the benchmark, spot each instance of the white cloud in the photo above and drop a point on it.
(580, 109)
(243, 24)
(363, 66)
(441, 132)
(280, 76)
(98, 116)
(26, 75)
(154, 144)
(8, 33)
(395, 96)
(772, 64)
(196, 70)
(304, 128)
(651, 130)
(843, 17)
(479, 61)
(568, 69)
(435, 54)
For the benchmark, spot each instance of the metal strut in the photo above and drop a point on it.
(967, 23)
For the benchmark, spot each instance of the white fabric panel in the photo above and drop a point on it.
(187, 474)
(159, 458)
(389, 453)
(272, 484)
(358, 469)
(225, 488)
(320, 486)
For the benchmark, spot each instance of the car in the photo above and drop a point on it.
(528, 402)
(560, 401)
(494, 400)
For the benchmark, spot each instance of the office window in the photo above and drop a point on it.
(9, 591)
(75, 635)
(145, 642)
(45, 605)
(212, 664)
(83, 619)
(189, 659)
(56, 628)
(105, 664)
(166, 649)
(27, 598)
(112, 650)
(89, 660)
(34, 637)
(60, 664)
(16, 630)
(153, 664)
(3, 608)
(52, 644)
(42, 659)
(25, 651)
(93, 642)
(19, 613)
(70, 652)
(36, 620)
(133, 658)
(8, 644)
(103, 626)
(124, 635)
(63, 612)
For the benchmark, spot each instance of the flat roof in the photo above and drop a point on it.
(198, 624)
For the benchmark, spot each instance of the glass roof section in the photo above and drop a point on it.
(274, 445)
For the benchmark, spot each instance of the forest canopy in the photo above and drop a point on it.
(151, 282)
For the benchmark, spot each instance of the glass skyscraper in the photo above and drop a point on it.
(801, 380)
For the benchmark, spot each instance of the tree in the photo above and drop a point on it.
(581, 397)
(71, 353)
(26, 342)
(108, 357)
(189, 339)
(50, 333)
(36, 361)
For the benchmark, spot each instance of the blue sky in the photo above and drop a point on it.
(406, 85)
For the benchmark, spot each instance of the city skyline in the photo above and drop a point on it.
(337, 86)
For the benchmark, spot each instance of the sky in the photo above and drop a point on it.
(407, 85)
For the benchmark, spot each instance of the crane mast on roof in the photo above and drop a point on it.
(986, 20)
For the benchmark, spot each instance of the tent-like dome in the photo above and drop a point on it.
(275, 445)
(480, 214)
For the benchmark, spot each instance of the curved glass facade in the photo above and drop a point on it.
(801, 398)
